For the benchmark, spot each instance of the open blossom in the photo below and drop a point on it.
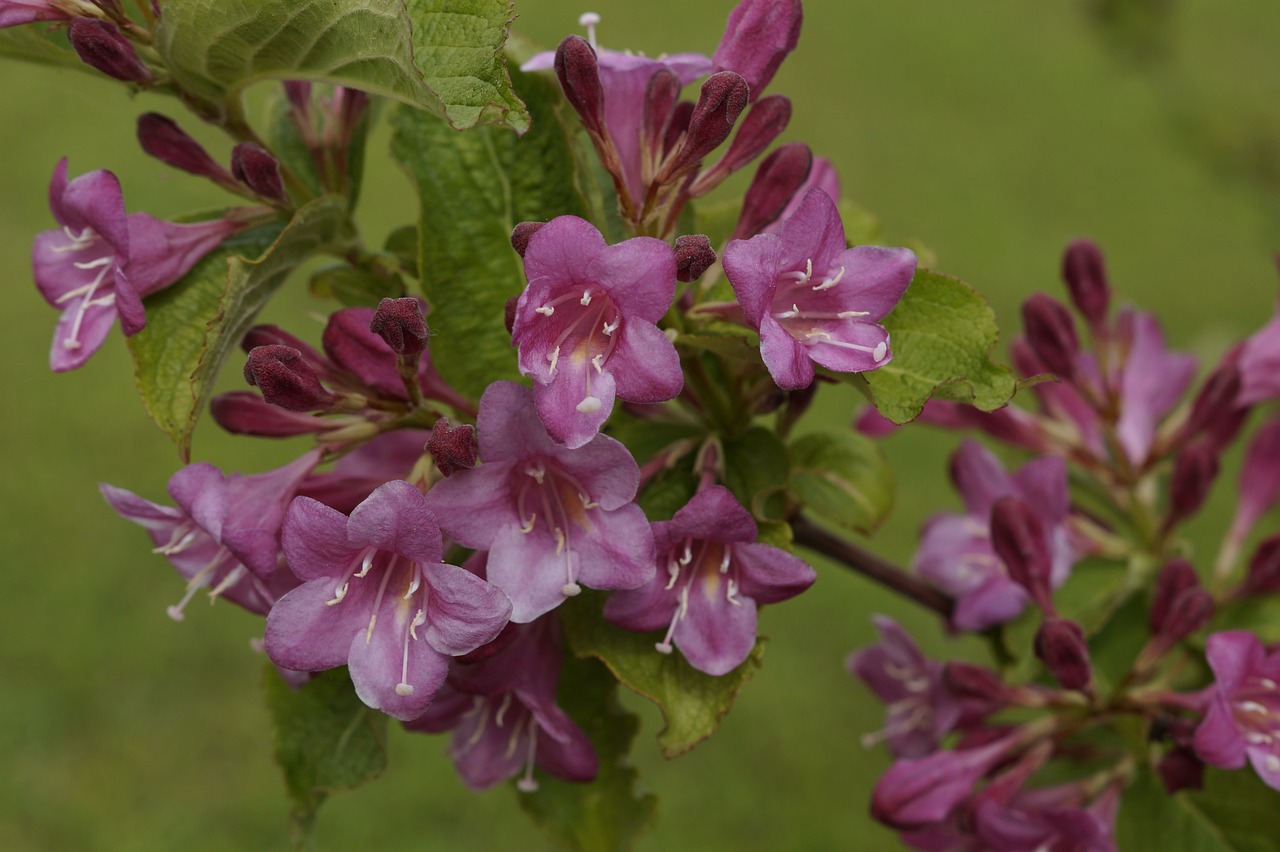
(377, 597)
(224, 533)
(956, 553)
(814, 300)
(100, 263)
(1243, 720)
(551, 517)
(716, 575)
(586, 325)
(503, 714)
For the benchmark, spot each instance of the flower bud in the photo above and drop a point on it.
(400, 323)
(1264, 569)
(162, 138)
(779, 177)
(1193, 473)
(246, 413)
(694, 256)
(757, 37)
(100, 45)
(721, 101)
(1215, 404)
(1086, 277)
(1174, 577)
(920, 791)
(763, 124)
(1181, 769)
(661, 97)
(1189, 611)
(1259, 478)
(286, 379)
(1018, 538)
(968, 680)
(1051, 333)
(452, 447)
(256, 168)
(1060, 645)
(578, 70)
(522, 234)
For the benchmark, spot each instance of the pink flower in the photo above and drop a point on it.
(1243, 721)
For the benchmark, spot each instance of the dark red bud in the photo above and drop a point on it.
(256, 168)
(721, 101)
(1264, 569)
(579, 74)
(694, 256)
(1061, 647)
(1215, 412)
(522, 234)
(1018, 538)
(1181, 769)
(100, 45)
(452, 447)
(509, 313)
(286, 379)
(1190, 611)
(246, 413)
(762, 124)
(162, 138)
(1051, 333)
(779, 177)
(1086, 276)
(967, 680)
(1174, 577)
(400, 323)
(1194, 470)
(660, 99)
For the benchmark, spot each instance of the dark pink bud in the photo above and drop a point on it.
(1175, 577)
(1051, 333)
(660, 99)
(694, 256)
(1061, 647)
(921, 791)
(1086, 277)
(1193, 473)
(286, 379)
(162, 138)
(677, 126)
(1216, 399)
(1264, 569)
(763, 124)
(299, 94)
(967, 680)
(400, 323)
(522, 234)
(579, 74)
(100, 45)
(246, 413)
(1018, 538)
(452, 447)
(757, 37)
(256, 168)
(779, 177)
(722, 100)
(1190, 611)
(1181, 769)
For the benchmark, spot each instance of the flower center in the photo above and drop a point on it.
(1256, 708)
(711, 564)
(548, 497)
(813, 316)
(587, 322)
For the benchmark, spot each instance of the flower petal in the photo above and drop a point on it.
(463, 611)
(396, 517)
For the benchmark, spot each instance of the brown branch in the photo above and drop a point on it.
(866, 563)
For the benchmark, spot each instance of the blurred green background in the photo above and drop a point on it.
(993, 130)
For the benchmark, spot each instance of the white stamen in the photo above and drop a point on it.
(571, 590)
(589, 20)
(732, 594)
(365, 564)
(502, 708)
(611, 327)
(687, 557)
(589, 405)
(528, 525)
(827, 283)
(880, 351)
(554, 358)
(419, 619)
(586, 298)
(545, 310)
(1252, 707)
(233, 577)
(1266, 683)
(97, 263)
(587, 502)
(403, 688)
(338, 594)
(413, 584)
(598, 363)
(538, 472)
(78, 241)
(848, 314)
(673, 571)
(724, 562)
(1272, 763)
(526, 784)
(559, 534)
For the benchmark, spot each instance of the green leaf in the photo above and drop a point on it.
(757, 470)
(444, 56)
(356, 287)
(326, 740)
(193, 325)
(42, 46)
(843, 477)
(606, 814)
(692, 703)
(1234, 813)
(942, 334)
(473, 189)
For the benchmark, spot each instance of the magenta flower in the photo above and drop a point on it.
(16, 12)
(101, 263)
(716, 576)
(1260, 364)
(586, 325)
(956, 554)
(551, 517)
(503, 714)
(377, 597)
(1151, 382)
(1243, 721)
(919, 792)
(1050, 818)
(919, 708)
(757, 37)
(814, 300)
(225, 531)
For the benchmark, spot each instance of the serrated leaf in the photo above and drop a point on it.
(458, 45)
(608, 813)
(326, 740)
(757, 470)
(433, 59)
(1234, 813)
(843, 477)
(193, 325)
(42, 46)
(355, 287)
(692, 703)
(473, 189)
(942, 333)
